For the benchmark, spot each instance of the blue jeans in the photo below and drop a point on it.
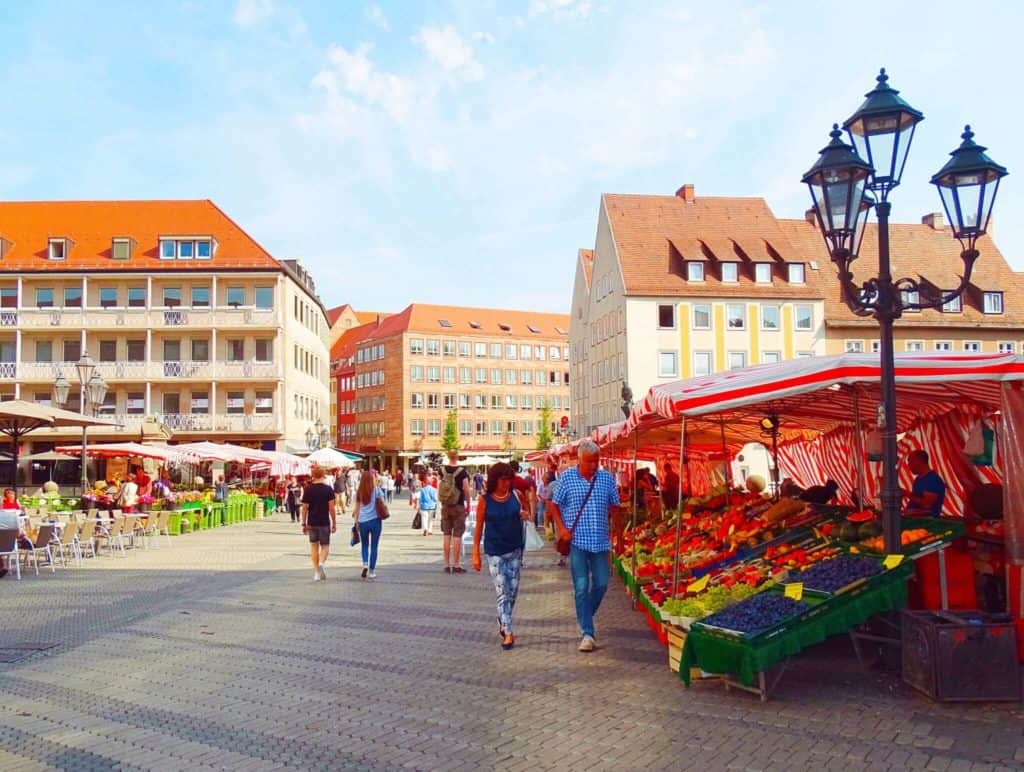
(590, 574)
(540, 513)
(366, 529)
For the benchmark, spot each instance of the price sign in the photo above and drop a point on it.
(817, 533)
(795, 590)
(700, 584)
(891, 561)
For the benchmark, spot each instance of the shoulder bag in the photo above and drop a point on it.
(563, 546)
(382, 507)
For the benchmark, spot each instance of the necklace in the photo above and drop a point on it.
(496, 497)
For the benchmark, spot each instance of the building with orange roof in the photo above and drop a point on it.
(345, 317)
(343, 386)
(500, 371)
(190, 320)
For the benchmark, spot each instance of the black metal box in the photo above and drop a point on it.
(961, 655)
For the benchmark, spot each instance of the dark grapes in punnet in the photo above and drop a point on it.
(761, 612)
(837, 573)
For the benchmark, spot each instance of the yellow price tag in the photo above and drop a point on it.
(817, 533)
(700, 584)
(795, 590)
(891, 561)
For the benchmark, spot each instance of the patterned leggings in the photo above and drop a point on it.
(505, 573)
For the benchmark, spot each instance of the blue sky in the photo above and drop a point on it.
(455, 152)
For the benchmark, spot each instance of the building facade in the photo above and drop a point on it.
(188, 319)
(499, 372)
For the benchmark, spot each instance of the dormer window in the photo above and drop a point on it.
(796, 273)
(763, 273)
(5, 247)
(444, 323)
(533, 329)
(187, 248)
(121, 249)
(694, 271)
(504, 328)
(58, 249)
(475, 325)
(993, 302)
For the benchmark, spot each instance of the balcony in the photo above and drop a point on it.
(8, 318)
(8, 371)
(139, 318)
(202, 371)
(220, 422)
(33, 372)
(250, 369)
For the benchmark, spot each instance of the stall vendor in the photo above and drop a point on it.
(929, 490)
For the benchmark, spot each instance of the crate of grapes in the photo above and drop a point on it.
(761, 617)
(841, 575)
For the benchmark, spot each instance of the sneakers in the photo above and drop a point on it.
(316, 576)
(365, 571)
(373, 574)
(321, 573)
(588, 643)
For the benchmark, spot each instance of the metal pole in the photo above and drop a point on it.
(82, 404)
(858, 434)
(886, 314)
(726, 471)
(775, 462)
(636, 437)
(679, 513)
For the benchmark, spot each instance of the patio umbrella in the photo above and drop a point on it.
(128, 450)
(213, 451)
(330, 458)
(18, 418)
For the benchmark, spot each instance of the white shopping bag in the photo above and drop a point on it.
(534, 541)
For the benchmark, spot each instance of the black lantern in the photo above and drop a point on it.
(881, 130)
(966, 186)
(837, 182)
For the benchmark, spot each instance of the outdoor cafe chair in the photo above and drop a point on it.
(111, 534)
(159, 523)
(42, 544)
(164, 525)
(87, 537)
(9, 549)
(66, 542)
(138, 530)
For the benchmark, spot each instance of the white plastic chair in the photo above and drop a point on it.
(9, 549)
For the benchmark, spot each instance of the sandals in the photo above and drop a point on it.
(447, 569)
(508, 641)
(458, 570)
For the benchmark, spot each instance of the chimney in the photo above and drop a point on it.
(687, 193)
(933, 220)
(810, 216)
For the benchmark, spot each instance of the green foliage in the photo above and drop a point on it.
(544, 438)
(450, 439)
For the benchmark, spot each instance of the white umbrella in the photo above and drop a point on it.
(329, 458)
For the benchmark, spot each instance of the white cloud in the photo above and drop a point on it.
(352, 74)
(445, 46)
(374, 14)
(560, 9)
(485, 37)
(250, 12)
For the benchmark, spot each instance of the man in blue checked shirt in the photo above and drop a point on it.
(585, 500)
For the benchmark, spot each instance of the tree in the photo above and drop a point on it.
(544, 438)
(450, 440)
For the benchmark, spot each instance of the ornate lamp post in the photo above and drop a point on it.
(318, 436)
(92, 391)
(845, 188)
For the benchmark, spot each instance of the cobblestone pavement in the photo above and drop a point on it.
(220, 652)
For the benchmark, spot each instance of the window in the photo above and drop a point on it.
(200, 350)
(702, 362)
(763, 273)
(416, 400)
(911, 297)
(1005, 348)
(200, 297)
(136, 297)
(770, 318)
(44, 298)
(434, 427)
(526, 377)
(511, 402)
(510, 377)
(495, 351)
(135, 404)
(204, 250)
(434, 374)
(496, 428)
(58, 249)
(465, 427)
(72, 350)
(541, 379)
(448, 347)
(511, 351)
(108, 350)
(526, 402)
(167, 250)
(415, 345)
(952, 306)
(236, 296)
(853, 346)
(465, 375)
(44, 351)
(481, 375)
(9, 297)
(527, 428)
(416, 373)
(172, 350)
(943, 345)
(479, 349)
(736, 316)
(804, 317)
(702, 316)
(479, 401)
(876, 346)
(265, 350)
(525, 352)
(464, 402)
(416, 427)
(172, 296)
(495, 377)
(136, 350)
(121, 249)
(186, 250)
(108, 297)
(796, 273)
(667, 317)
(433, 348)
(737, 360)
(449, 401)
(449, 375)
(495, 402)
(264, 298)
(770, 357)
(200, 403)
(264, 402)
(915, 345)
(730, 273)
(993, 302)
(694, 270)
(972, 347)
(444, 323)
(480, 428)
(667, 365)
(109, 405)
(236, 350)
(464, 349)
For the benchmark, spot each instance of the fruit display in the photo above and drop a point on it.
(710, 601)
(757, 614)
(841, 571)
(908, 537)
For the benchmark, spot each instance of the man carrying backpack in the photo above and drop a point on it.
(453, 493)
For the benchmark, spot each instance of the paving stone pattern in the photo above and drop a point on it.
(221, 653)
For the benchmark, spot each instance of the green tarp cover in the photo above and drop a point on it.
(745, 659)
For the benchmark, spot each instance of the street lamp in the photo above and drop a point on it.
(845, 188)
(627, 400)
(92, 391)
(317, 436)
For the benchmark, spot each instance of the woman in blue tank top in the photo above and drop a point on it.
(499, 510)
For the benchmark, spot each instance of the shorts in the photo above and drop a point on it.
(319, 534)
(453, 520)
